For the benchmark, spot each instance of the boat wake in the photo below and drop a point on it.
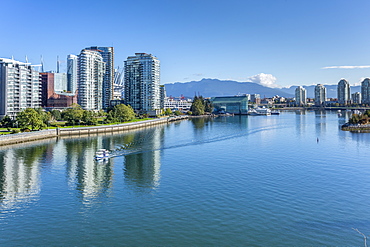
(137, 147)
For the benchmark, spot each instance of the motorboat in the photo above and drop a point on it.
(102, 154)
(275, 112)
(259, 111)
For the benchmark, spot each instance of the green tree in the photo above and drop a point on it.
(167, 112)
(195, 99)
(30, 118)
(57, 115)
(88, 117)
(177, 113)
(121, 113)
(6, 122)
(45, 116)
(101, 113)
(73, 115)
(197, 107)
(208, 106)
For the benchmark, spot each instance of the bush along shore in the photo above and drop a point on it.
(358, 122)
(58, 132)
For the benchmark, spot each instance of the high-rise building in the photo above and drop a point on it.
(365, 91)
(344, 92)
(108, 88)
(356, 98)
(72, 73)
(320, 95)
(162, 95)
(20, 87)
(91, 70)
(142, 89)
(300, 96)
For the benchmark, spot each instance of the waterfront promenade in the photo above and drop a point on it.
(53, 133)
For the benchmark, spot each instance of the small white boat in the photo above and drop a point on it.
(102, 154)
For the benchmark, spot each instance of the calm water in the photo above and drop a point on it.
(229, 181)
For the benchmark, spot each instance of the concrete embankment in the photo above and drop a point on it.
(363, 127)
(43, 134)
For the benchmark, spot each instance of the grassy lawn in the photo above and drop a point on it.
(4, 132)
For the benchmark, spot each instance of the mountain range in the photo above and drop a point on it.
(215, 87)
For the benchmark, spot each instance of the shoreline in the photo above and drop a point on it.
(357, 128)
(46, 134)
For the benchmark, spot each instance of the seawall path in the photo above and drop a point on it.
(44, 134)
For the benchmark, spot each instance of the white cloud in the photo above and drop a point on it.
(347, 67)
(359, 82)
(266, 80)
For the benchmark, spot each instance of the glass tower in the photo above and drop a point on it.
(300, 96)
(72, 73)
(365, 91)
(320, 95)
(344, 92)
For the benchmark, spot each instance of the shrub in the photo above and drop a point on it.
(15, 131)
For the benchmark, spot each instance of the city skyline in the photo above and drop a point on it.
(274, 43)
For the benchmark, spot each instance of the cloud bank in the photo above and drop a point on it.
(263, 79)
(347, 67)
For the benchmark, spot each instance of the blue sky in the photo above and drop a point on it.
(273, 42)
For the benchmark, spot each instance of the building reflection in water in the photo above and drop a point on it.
(300, 122)
(88, 177)
(320, 122)
(143, 159)
(20, 174)
(21, 165)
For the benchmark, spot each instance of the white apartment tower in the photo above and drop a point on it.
(300, 96)
(20, 87)
(356, 98)
(107, 54)
(320, 95)
(91, 70)
(344, 92)
(72, 73)
(365, 91)
(142, 89)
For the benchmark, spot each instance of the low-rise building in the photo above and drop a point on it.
(177, 104)
(232, 104)
(51, 95)
(255, 98)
